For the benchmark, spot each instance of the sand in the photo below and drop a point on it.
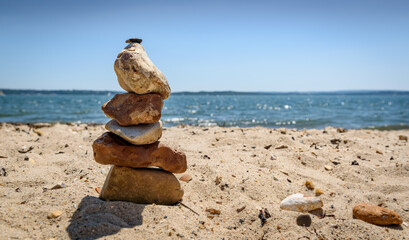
(250, 173)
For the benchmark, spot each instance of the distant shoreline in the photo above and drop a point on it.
(189, 93)
(92, 124)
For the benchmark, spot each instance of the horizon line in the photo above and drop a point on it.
(209, 91)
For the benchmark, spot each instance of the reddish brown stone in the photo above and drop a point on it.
(141, 185)
(111, 149)
(376, 215)
(132, 109)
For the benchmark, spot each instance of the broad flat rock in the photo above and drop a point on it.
(111, 149)
(376, 215)
(136, 72)
(137, 134)
(143, 186)
(132, 109)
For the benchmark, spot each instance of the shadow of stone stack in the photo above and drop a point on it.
(131, 144)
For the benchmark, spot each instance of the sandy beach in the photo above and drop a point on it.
(237, 171)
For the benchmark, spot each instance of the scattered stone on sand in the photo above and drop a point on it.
(143, 186)
(403, 138)
(328, 167)
(355, 162)
(297, 202)
(58, 186)
(132, 109)
(54, 214)
(213, 211)
(304, 220)
(136, 72)
(318, 192)
(341, 130)
(376, 215)
(3, 172)
(309, 185)
(240, 209)
(111, 149)
(282, 147)
(138, 134)
(186, 177)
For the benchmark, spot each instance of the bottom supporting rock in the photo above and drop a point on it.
(141, 185)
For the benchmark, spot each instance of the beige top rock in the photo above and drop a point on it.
(136, 72)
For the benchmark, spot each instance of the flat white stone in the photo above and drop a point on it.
(298, 203)
(140, 134)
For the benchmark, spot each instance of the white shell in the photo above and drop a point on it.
(298, 203)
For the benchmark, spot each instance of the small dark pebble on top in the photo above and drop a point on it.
(134, 40)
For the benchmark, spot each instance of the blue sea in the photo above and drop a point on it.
(358, 109)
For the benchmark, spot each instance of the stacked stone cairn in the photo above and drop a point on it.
(143, 166)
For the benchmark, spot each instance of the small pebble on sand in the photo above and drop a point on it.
(54, 214)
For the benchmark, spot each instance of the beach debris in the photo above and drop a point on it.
(304, 220)
(328, 167)
(355, 162)
(267, 213)
(262, 217)
(335, 141)
(141, 185)
(309, 184)
(375, 214)
(97, 189)
(38, 132)
(403, 138)
(240, 209)
(268, 147)
(23, 149)
(26, 158)
(299, 203)
(60, 152)
(276, 178)
(341, 130)
(273, 157)
(335, 162)
(3, 157)
(54, 214)
(379, 152)
(282, 147)
(3, 172)
(184, 205)
(58, 186)
(186, 177)
(213, 211)
(218, 180)
(318, 192)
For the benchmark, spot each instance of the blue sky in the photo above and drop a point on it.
(209, 45)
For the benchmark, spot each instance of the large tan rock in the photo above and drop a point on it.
(376, 215)
(136, 72)
(111, 149)
(132, 109)
(143, 185)
(138, 134)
